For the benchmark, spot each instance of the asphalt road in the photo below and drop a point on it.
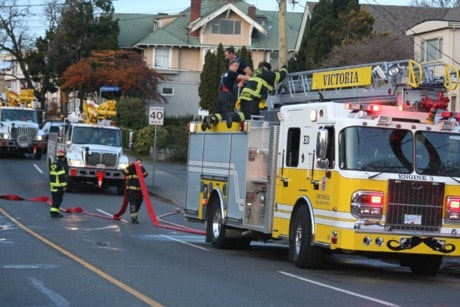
(88, 259)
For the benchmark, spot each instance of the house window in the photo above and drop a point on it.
(162, 57)
(167, 91)
(226, 26)
(431, 50)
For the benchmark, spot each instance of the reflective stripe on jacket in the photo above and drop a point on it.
(132, 180)
(58, 177)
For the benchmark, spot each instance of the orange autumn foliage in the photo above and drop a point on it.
(125, 69)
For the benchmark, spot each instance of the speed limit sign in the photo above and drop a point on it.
(156, 115)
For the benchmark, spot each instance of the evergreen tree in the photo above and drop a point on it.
(332, 23)
(246, 56)
(214, 66)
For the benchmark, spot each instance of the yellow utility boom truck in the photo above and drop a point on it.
(360, 159)
(19, 129)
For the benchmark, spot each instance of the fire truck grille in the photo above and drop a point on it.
(97, 158)
(415, 205)
(29, 132)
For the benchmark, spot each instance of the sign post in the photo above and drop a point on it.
(156, 116)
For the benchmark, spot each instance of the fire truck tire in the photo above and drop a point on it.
(121, 187)
(303, 254)
(216, 228)
(38, 154)
(427, 265)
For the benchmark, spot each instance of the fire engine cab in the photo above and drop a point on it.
(360, 159)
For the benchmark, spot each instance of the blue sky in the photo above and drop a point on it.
(175, 6)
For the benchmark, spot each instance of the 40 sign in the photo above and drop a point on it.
(156, 116)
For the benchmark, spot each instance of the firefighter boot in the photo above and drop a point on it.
(134, 214)
(232, 117)
(54, 213)
(204, 124)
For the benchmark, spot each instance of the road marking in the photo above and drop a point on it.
(186, 243)
(38, 169)
(338, 289)
(85, 264)
(29, 266)
(111, 215)
(57, 299)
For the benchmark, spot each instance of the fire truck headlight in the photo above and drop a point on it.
(453, 209)
(367, 204)
(75, 163)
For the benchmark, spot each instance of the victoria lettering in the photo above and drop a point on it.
(341, 78)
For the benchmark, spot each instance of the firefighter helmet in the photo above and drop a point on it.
(61, 153)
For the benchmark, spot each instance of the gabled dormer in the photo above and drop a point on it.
(227, 24)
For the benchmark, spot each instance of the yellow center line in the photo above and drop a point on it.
(87, 265)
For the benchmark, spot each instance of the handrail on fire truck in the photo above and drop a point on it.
(365, 82)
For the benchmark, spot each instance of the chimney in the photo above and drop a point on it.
(252, 12)
(195, 10)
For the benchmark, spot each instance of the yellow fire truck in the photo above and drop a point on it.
(360, 159)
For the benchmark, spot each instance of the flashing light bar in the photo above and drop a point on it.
(363, 107)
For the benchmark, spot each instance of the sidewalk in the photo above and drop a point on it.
(167, 181)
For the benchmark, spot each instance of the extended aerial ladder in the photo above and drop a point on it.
(380, 81)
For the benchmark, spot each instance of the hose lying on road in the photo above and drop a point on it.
(157, 222)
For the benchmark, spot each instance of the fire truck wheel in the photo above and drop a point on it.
(302, 252)
(216, 228)
(121, 186)
(427, 265)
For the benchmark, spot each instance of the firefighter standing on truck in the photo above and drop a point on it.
(58, 183)
(255, 91)
(133, 188)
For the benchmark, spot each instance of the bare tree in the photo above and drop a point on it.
(436, 3)
(376, 48)
(15, 34)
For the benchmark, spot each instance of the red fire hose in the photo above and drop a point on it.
(117, 216)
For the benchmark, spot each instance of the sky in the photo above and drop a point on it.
(38, 26)
(175, 6)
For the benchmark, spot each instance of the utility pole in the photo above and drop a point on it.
(282, 59)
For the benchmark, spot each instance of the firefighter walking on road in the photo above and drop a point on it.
(58, 183)
(133, 188)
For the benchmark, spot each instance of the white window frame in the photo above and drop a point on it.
(217, 27)
(162, 57)
(431, 49)
(167, 94)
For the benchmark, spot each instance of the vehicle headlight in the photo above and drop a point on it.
(75, 162)
(5, 136)
(40, 137)
(122, 165)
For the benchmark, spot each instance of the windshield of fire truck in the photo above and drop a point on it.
(376, 149)
(18, 115)
(437, 153)
(96, 136)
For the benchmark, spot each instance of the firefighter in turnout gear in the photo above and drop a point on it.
(227, 95)
(134, 189)
(255, 91)
(58, 183)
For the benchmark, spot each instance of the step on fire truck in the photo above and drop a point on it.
(19, 130)
(360, 159)
(94, 151)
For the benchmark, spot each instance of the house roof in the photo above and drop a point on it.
(398, 19)
(137, 30)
